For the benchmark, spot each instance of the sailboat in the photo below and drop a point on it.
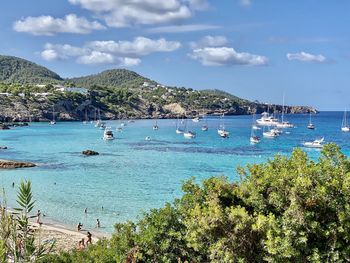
(53, 122)
(283, 123)
(189, 134)
(253, 138)
(345, 126)
(221, 130)
(205, 126)
(310, 126)
(155, 126)
(178, 130)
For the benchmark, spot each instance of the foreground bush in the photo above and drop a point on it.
(289, 209)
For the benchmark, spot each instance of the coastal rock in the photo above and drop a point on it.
(9, 164)
(90, 153)
(4, 127)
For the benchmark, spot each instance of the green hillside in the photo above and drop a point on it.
(18, 70)
(110, 78)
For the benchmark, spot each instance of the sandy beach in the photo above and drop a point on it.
(64, 236)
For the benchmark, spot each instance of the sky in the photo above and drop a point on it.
(258, 50)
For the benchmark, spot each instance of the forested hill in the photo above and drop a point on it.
(18, 70)
(29, 90)
(110, 78)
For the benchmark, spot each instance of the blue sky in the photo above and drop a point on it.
(254, 49)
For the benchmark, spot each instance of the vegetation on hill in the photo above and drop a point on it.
(290, 209)
(110, 78)
(18, 70)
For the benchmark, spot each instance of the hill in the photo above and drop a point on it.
(18, 70)
(116, 93)
(110, 78)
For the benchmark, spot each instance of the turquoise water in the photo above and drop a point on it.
(132, 175)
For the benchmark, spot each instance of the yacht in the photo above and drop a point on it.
(53, 122)
(318, 143)
(267, 120)
(271, 133)
(310, 126)
(345, 126)
(108, 134)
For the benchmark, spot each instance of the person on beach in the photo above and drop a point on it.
(89, 238)
(81, 244)
(98, 223)
(38, 214)
(80, 225)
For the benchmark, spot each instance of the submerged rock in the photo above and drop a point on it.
(90, 152)
(9, 164)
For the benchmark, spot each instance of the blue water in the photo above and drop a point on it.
(132, 175)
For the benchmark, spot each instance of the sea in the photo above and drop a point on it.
(131, 175)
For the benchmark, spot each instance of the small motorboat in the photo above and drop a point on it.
(148, 138)
(270, 134)
(178, 131)
(196, 119)
(52, 122)
(108, 134)
(189, 135)
(102, 126)
(205, 128)
(318, 143)
(223, 133)
(255, 127)
(254, 139)
(119, 129)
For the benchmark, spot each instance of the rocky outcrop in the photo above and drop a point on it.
(89, 153)
(9, 164)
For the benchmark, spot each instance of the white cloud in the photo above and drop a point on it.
(122, 13)
(245, 2)
(49, 26)
(182, 28)
(209, 41)
(306, 57)
(141, 46)
(125, 53)
(225, 56)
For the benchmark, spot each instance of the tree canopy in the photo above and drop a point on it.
(289, 209)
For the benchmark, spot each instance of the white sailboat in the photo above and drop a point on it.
(189, 134)
(254, 139)
(178, 130)
(221, 130)
(155, 126)
(318, 143)
(205, 125)
(310, 126)
(53, 122)
(345, 126)
(284, 123)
